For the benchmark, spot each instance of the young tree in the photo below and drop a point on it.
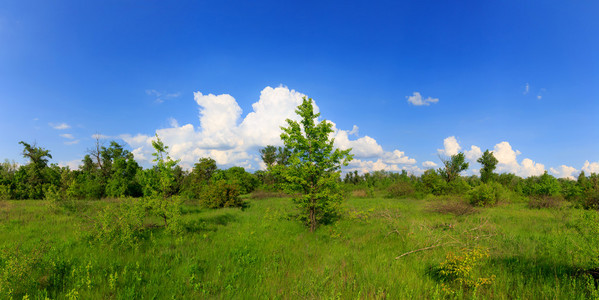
(453, 166)
(269, 155)
(313, 165)
(489, 163)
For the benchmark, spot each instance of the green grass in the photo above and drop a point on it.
(262, 251)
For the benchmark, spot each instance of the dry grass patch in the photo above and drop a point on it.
(457, 207)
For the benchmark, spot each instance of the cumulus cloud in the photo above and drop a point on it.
(506, 158)
(230, 139)
(451, 147)
(416, 99)
(564, 172)
(507, 162)
(59, 126)
(590, 167)
(429, 164)
(473, 154)
(67, 136)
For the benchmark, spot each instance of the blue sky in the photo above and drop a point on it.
(517, 77)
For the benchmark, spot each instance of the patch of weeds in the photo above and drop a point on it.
(538, 202)
(457, 272)
(456, 207)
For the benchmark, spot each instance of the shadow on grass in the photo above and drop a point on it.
(210, 223)
(539, 268)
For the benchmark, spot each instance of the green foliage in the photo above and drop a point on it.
(544, 185)
(221, 194)
(458, 270)
(21, 270)
(120, 224)
(246, 182)
(313, 165)
(453, 166)
(489, 163)
(430, 182)
(486, 194)
(269, 155)
(400, 189)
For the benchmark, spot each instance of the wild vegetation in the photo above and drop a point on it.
(112, 229)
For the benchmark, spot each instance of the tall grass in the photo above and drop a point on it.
(262, 251)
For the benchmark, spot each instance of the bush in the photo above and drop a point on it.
(120, 224)
(456, 272)
(221, 194)
(590, 200)
(485, 194)
(400, 189)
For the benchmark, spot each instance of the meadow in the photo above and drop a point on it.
(438, 247)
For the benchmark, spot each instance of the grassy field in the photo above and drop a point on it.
(262, 251)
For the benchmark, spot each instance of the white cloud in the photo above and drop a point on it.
(564, 172)
(429, 164)
(590, 167)
(232, 140)
(526, 88)
(67, 136)
(451, 147)
(507, 162)
(160, 96)
(72, 164)
(59, 126)
(173, 122)
(473, 154)
(416, 99)
(506, 158)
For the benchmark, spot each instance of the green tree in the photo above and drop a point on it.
(34, 176)
(269, 155)
(453, 166)
(313, 165)
(489, 163)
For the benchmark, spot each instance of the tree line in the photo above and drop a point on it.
(307, 167)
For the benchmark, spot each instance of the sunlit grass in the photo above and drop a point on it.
(262, 251)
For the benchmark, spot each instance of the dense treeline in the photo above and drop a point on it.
(112, 172)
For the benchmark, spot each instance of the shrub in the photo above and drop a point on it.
(485, 194)
(263, 194)
(590, 200)
(120, 224)
(400, 189)
(221, 194)
(545, 202)
(456, 272)
(20, 270)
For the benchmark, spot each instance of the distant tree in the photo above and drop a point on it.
(489, 163)
(33, 175)
(283, 155)
(269, 155)
(313, 165)
(453, 166)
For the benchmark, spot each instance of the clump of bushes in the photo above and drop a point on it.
(221, 194)
(486, 194)
(400, 189)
